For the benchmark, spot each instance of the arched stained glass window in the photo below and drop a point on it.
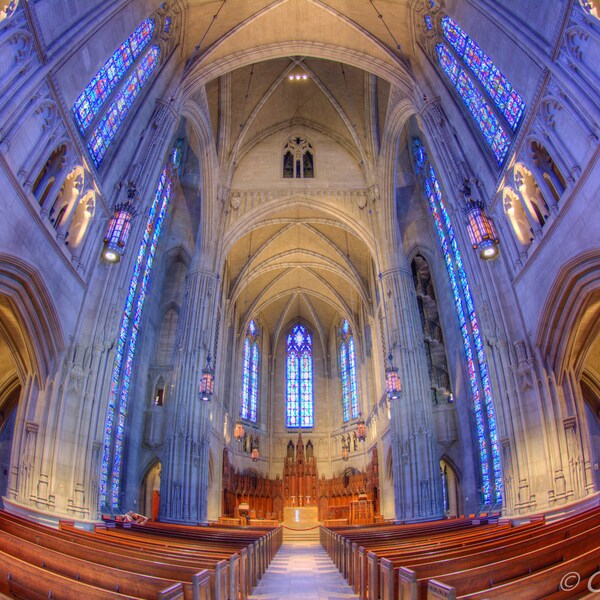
(499, 89)
(299, 376)
(494, 133)
(108, 126)
(479, 379)
(251, 363)
(347, 358)
(90, 101)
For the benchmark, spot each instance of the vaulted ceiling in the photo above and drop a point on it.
(300, 261)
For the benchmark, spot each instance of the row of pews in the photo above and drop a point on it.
(163, 561)
(469, 558)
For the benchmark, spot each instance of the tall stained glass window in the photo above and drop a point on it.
(90, 101)
(494, 133)
(498, 88)
(108, 126)
(299, 377)
(463, 58)
(347, 359)
(250, 374)
(479, 380)
(114, 433)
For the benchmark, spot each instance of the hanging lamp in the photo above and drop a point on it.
(207, 381)
(481, 228)
(119, 226)
(361, 429)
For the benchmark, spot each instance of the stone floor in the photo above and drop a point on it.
(302, 571)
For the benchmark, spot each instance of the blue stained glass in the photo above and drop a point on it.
(250, 374)
(108, 126)
(485, 419)
(347, 359)
(493, 132)
(508, 101)
(299, 373)
(128, 333)
(167, 25)
(90, 101)
(428, 23)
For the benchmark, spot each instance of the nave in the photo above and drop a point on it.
(301, 570)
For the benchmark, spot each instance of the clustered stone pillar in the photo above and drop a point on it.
(417, 482)
(184, 484)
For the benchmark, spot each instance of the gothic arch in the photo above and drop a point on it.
(37, 336)
(570, 321)
(149, 501)
(530, 192)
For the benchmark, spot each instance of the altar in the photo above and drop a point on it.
(300, 516)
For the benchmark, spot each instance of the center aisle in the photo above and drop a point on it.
(302, 571)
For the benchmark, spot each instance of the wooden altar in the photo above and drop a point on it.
(349, 497)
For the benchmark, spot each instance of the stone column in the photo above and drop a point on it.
(184, 483)
(417, 482)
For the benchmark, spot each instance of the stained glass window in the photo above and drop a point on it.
(347, 359)
(299, 377)
(90, 101)
(108, 126)
(250, 374)
(499, 89)
(114, 433)
(428, 23)
(495, 135)
(167, 25)
(481, 391)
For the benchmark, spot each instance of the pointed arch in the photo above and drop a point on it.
(37, 335)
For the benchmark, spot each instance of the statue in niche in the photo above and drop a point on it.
(309, 450)
(290, 449)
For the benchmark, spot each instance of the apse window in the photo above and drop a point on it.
(299, 378)
(298, 159)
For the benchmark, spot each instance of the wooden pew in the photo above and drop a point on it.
(488, 580)
(544, 583)
(26, 581)
(417, 570)
(197, 584)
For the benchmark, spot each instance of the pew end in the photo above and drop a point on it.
(173, 592)
(436, 590)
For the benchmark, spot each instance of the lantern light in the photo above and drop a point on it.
(393, 387)
(255, 454)
(238, 432)
(482, 231)
(207, 382)
(117, 231)
(361, 429)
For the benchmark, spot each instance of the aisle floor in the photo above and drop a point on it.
(302, 571)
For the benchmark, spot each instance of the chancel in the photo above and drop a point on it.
(286, 271)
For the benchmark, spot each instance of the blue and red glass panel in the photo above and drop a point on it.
(90, 101)
(500, 90)
(108, 126)
(299, 373)
(495, 135)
